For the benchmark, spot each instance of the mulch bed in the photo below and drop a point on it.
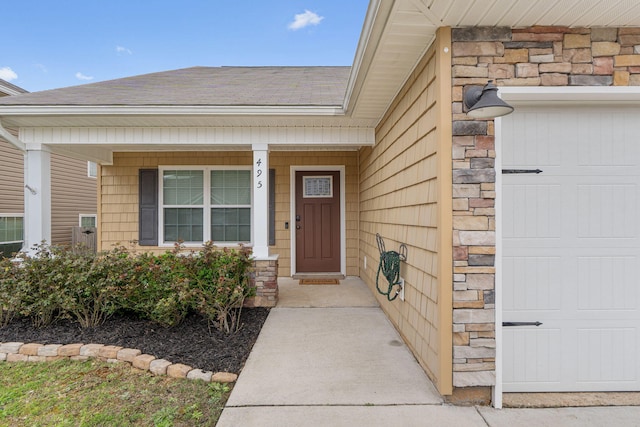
(192, 342)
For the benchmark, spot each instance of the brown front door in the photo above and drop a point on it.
(317, 221)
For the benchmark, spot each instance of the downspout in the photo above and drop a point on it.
(12, 139)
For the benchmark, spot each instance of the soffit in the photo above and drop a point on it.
(399, 32)
(169, 120)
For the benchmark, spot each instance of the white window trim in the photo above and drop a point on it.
(80, 216)
(207, 206)
(89, 170)
(13, 215)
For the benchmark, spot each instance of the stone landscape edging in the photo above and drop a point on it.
(34, 352)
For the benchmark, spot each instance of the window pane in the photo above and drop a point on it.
(87, 221)
(244, 216)
(183, 224)
(244, 196)
(244, 233)
(231, 224)
(92, 169)
(231, 187)
(183, 187)
(11, 229)
(231, 233)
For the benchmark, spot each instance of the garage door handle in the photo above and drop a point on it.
(521, 323)
(511, 171)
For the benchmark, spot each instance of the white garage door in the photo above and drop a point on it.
(571, 249)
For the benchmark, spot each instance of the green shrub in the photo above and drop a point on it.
(41, 279)
(88, 287)
(10, 295)
(221, 284)
(158, 288)
(94, 285)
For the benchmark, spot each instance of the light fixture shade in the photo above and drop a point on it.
(484, 103)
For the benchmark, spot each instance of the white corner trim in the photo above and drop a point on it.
(498, 388)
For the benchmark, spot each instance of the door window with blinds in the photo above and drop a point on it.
(201, 204)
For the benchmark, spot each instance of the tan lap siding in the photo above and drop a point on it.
(11, 179)
(401, 197)
(119, 200)
(72, 193)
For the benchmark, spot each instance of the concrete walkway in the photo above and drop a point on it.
(328, 356)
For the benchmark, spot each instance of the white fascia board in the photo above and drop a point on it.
(168, 110)
(363, 43)
(569, 94)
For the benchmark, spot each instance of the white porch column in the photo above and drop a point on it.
(260, 210)
(37, 197)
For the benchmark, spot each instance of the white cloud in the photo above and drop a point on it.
(7, 74)
(305, 19)
(41, 67)
(122, 49)
(81, 76)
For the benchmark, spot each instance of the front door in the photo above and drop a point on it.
(317, 221)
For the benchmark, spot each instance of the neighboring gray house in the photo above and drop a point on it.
(73, 191)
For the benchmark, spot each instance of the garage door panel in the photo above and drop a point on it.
(607, 283)
(532, 361)
(571, 249)
(535, 283)
(534, 211)
(606, 210)
(600, 359)
(607, 139)
(532, 145)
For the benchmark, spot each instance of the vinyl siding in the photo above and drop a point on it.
(405, 197)
(72, 193)
(11, 179)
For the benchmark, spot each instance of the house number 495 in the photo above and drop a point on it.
(258, 173)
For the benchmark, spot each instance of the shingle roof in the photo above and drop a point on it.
(219, 86)
(7, 88)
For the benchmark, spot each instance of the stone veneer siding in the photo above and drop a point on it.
(264, 277)
(537, 56)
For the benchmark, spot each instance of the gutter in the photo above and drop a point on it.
(12, 139)
(66, 110)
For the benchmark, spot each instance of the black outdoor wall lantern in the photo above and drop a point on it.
(484, 103)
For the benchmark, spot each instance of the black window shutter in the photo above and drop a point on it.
(272, 207)
(148, 217)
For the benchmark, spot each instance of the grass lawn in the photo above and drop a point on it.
(93, 393)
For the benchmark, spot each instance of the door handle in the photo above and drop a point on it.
(298, 227)
(297, 218)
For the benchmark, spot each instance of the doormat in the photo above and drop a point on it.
(319, 281)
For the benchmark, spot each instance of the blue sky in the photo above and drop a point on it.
(51, 44)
